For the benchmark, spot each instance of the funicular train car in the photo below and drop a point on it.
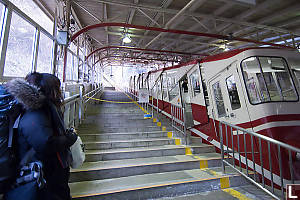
(253, 88)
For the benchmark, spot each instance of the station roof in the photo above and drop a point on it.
(191, 28)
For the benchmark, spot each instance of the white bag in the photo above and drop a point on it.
(78, 155)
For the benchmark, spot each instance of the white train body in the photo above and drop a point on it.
(254, 88)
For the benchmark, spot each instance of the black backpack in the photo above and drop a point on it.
(9, 112)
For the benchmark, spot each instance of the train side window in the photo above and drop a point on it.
(195, 82)
(44, 60)
(219, 99)
(174, 91)
(206, 97)
(165, 86)
(159, 88)
(20, 42)
(233, 93)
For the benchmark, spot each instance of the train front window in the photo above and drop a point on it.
(294, 63)
(268, 80)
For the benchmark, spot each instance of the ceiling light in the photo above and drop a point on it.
(126, 39)
(224, 47)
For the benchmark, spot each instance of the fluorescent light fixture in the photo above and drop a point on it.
(224, 47)
(126, 39)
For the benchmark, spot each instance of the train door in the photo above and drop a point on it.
(228, 98)
(185, 94)
(197, 96)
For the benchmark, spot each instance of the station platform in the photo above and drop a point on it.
(129, 157)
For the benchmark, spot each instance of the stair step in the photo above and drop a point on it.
(96, 129)
(109, 123)
(125, 136)
(119, 125)
(144, 152)
(131, 158)
(90, 120)
(109, 144)
(195, 140)
(246, 192)
(129, 167)
(157, 185)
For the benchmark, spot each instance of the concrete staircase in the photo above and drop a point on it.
(129, 157)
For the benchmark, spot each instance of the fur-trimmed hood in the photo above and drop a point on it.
(26, 94)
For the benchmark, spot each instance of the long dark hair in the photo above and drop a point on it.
(49, 86)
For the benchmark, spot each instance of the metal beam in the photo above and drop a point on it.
(218, 36)
(289, 10)
(105, 19)
(88, 12)
(141, 49)
(155, 22)
(263, 20)
(243, 15)
(157, 15)
(167, 25)
(217, 12)
(166, 39)
(191, 14)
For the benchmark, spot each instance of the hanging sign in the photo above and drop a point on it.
(143, 96)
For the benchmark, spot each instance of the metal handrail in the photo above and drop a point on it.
(71, 98)
(93, 92)
(252, 158)
(74, 107)
(178, 113)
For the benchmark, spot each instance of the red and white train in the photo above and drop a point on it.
(253, 88)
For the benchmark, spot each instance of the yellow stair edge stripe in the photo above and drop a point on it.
(170, 135)
(136, 103)
(236, 194)
(203, 164)
(188, 151)
(224, 182)
(107, 100)
(177, 141)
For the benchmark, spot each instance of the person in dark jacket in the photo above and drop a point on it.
(41, 128)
